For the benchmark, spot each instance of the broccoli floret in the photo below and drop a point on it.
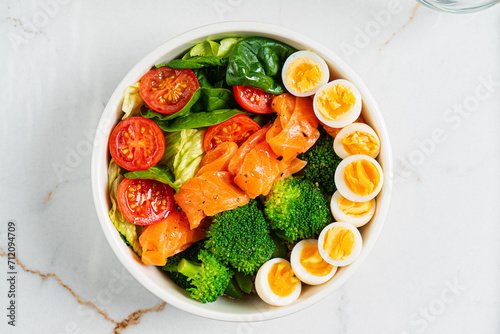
(321, 163)
(296, 209)
(240, 238)
(191, 254)
(209, 278)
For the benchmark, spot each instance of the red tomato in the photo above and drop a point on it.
(144, 202)
(167, 90)
(236, 129)
(253, 99)
(137, 143)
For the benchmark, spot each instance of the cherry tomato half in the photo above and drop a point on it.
(167, 90)
(137, 143)
(144, 202)
(253, 99)
(236, 129)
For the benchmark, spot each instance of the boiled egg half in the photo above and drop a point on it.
(304, 72)
(337, 103)
(355, 213)
(308, 264)
(340, 244)
(276, 283)
(357, 138)
(359, 178)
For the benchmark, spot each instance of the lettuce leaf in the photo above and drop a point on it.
(127, 230)
(157, 173)
(226, 46)
(183, 153)
(132, 101)
(220, 49)
(207, 48)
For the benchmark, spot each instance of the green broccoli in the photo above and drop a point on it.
(321, 163)
(209, 279)
(240, 238)
(191, 254)
(296, 209)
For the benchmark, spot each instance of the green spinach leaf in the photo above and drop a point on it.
(150, 113)
(204, 99)
(198, 120)
(163, 175)
(257, 62)
(197, 62)
(211, 77)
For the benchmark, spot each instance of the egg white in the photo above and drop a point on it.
(361, 127)
(299, 269)
(264, 290)
(358, 245)
(342, 186)
(340, 215)
(323, 67)
(356, 109)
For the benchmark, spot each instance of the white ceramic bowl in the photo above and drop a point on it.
(252, 308)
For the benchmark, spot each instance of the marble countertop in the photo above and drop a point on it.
(436, 78)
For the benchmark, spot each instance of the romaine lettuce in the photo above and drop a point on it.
(183, 153)
(132, 101)
(127, 230)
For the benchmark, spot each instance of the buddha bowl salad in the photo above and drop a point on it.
(241, 168)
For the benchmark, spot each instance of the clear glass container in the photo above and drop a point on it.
(459, 6)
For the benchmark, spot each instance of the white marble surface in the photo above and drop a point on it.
(59, 66)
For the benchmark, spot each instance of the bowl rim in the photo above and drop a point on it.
(101, 141)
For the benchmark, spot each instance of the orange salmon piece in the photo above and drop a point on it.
(167, 237)
(225, 196)
(218, 158)
(295, 133)
(208, 194)
(295, 166)
(260, 168)
(252, 141)
(192, 201)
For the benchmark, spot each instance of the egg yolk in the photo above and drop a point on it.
(361, 177)
(313, 263)
(358, 142)
(336, 102)
(282, 280)
(303, 75)
(354, 209)
(339, 242)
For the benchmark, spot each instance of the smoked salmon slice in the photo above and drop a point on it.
(295, 130)
(295, 166)
(218, 158)
(208, 194)
(261, 166)
(168, 237)
(252, 141)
